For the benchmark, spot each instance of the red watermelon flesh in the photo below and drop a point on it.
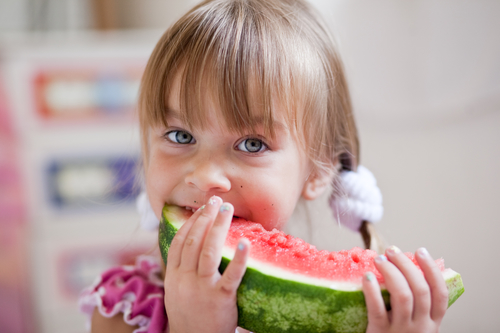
(295, 255)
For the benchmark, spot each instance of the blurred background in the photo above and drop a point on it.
(425, 82)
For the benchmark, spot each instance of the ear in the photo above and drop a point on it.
(316, 184)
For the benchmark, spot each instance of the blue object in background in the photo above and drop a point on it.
(92, 182)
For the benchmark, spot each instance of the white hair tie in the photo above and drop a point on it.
(148, 217)
(362, 199)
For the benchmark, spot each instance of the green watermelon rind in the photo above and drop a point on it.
(271, 304)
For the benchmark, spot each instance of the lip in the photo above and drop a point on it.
(182, 206)
(195, 208)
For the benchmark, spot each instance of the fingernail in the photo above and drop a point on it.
(393, 250)
(381, 258)
(241, 246)
(423, 252)
(212, 200)
(369, 276)
(224, 207)
(201, 207)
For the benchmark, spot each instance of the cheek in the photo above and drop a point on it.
(155, 197)
(273, 206)
(281, 195)
(157, 184)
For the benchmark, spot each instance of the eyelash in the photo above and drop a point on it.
(173, 140)
(239, 146)
(263, 148)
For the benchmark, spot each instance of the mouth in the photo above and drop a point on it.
(194, 209)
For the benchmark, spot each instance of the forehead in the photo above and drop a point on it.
(203, 103)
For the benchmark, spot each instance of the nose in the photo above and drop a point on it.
(208, 175)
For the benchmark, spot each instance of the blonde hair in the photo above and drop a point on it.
(254, 57)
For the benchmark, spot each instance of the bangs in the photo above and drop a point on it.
(243, 56)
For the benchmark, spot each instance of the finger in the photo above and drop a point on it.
(175, 250)
(399, 290)
(437, 285)
(377, 314)
(194, 239)
(212, 248)
(234, 272)
(418, 285)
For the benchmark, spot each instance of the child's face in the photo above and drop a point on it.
(263, 178)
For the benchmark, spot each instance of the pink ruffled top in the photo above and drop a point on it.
(136, 291)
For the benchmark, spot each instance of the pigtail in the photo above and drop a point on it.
(371, 237)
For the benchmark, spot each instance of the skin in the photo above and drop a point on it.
(116, 324)
(419, 301)
(214, 172)
(217, 162)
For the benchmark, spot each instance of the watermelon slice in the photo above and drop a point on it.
(290, 286)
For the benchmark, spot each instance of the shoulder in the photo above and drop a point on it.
(128, 296)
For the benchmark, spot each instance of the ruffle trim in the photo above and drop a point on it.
(136, 291)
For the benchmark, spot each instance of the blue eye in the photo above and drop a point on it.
(252, 145)
(181, 137)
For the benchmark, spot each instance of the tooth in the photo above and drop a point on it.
(188, 208)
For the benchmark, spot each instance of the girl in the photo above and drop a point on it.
(244, 109)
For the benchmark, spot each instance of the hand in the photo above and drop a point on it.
(418, 302)
(197, 297)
